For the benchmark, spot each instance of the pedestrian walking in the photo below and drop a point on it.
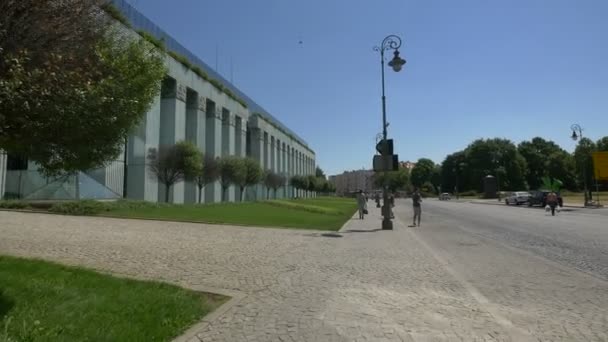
(362, 204)
(552, 202)
(416, 200)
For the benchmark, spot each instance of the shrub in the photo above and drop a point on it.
(85, 207)
(151, 39)
(11, 204)
(469, 193)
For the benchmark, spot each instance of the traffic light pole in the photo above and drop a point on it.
(386, 208)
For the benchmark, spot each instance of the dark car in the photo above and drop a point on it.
(539, 197)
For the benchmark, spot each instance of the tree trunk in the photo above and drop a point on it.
(275, 193)
(267, 193)
(200, 192)
(167, 187)
(224, 188)
(242, 193)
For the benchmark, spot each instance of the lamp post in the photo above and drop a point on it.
(391, 42)
(577, 133)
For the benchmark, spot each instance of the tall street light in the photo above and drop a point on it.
(577, 133)
(391, 42)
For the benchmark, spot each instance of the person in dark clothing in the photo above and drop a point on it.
(417, 199)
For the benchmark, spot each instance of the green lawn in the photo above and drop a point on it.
(578, 198)
(319, 213)
(42, 301)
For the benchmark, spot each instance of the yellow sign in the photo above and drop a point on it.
(600, 165)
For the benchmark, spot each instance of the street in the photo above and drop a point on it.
(472, 272)
(577, 238)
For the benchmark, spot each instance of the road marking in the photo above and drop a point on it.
(515, 332)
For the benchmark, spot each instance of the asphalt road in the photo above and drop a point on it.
(576, 238)
(541, 277)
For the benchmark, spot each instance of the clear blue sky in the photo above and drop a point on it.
(475, 68)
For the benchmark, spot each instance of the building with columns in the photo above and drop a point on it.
(352, 181)
(189, 107)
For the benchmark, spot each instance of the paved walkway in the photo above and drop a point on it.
(363, 284)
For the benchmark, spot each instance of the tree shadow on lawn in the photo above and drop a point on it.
(6, 305)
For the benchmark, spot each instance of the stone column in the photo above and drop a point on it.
(195, 133)
(141, 183)
(213, 147)
(266, 148)
(289, 194)
(240, 145)
(2, 173)
(228, 143)
(172, 130)
(273, 151)
(257, 152)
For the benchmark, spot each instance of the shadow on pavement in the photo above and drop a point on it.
(362, 230)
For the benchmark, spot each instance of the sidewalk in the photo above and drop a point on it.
(361, 284)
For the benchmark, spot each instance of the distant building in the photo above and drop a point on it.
(408, 165)
(352, 181)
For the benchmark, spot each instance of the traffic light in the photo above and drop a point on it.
(386, 163)
(385, 147)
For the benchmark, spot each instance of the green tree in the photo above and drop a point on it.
(453, 172)
(173, 164)
(278, 181)
(536, 153)
(312, 183)
(208, 173)
(232, 172)
(71, 89)
(271, 180)
(422, 172)
(253, 175)
(319, 173)
(584, 163)
(602, 144)
(497, 157)
(396, 180)
(560, 165)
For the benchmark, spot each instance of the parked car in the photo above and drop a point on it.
(445, 196)
(517, 198)
(539, 197)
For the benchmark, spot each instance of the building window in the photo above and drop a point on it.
(15, 162)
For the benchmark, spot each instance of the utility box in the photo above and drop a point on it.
(489, 187)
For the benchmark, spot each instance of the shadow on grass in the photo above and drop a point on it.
(5, 305)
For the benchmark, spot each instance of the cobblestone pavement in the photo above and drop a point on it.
(433, 283)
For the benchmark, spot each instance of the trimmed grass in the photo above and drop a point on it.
(43, 301)
(322, 214)
(578, 198)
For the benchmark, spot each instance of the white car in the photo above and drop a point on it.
(517, 198)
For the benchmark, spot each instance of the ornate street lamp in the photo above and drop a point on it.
(577, 133)
(391, 42)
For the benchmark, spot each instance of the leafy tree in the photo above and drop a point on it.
(551, 184)
(71, 88)
(300, 182)
(396, 180)
(584, 163)
(232, 171)
(208, 173)
(422, 172)
(277, 181)
(453, 171)
(319, 173)
(312, 183)
(173, 164)
(602, 144)
(560, 165)
(269, 181)
(536, 153)
(253, 174)
(494, 156)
